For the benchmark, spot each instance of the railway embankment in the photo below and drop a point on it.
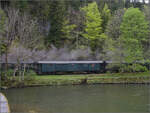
(54, 80)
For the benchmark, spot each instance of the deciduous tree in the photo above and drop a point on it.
(134, 30)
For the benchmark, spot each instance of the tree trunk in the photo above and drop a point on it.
(6, 62)
(19, 67)
(24, 70)
(16, 68)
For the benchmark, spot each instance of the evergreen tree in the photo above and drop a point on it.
(113, 41)
(93, 25)
(21, 5)
(113, 27)
(57, 16)
(68, 31)
(106, 14)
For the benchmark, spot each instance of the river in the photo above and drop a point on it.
(80, 99)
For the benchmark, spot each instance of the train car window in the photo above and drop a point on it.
(93, 65)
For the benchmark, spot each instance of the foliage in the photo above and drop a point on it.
(134, 29)
(9, 72)
(22, 5)
(30, 73)
(113, 30)
(113, 27)
(106, 15)
(134, 24)
(2, 30)
(57, 13)
(54, 80)
(2, 21)
(126, 68)
(93, 21)
(146, 43)
(93, 26)
(133, 68)
(127, 34)
(68, 30)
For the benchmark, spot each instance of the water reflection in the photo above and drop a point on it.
(80, 99)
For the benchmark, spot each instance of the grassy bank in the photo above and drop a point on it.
(47, 80)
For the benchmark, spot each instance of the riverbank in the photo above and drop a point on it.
(51, 80)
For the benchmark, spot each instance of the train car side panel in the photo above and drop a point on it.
(94, 67)
(46, 68)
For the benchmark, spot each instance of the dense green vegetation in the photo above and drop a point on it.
(113, 30)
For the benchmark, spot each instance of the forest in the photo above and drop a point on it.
(107, 30)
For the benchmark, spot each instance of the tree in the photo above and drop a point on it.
(21, 5)
(9, 32)
(23, 30)
(106, 14)
(57, 13)
(76, 17)
(41, 10)
(93, 25)
(2, 29)
(134, 30)
(113, 27)
(112, 47)
(134, 25)
(27, 39)
(146, 44)
(68, 31)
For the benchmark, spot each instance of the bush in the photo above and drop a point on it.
(113, 67)
(133, 68)
(30, 73)
(9, 72)
(139, 68)
(126, 68)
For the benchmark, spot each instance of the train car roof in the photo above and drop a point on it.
(67, 62)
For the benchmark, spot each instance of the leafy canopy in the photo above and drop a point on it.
(106, 15)
(93, 21)
(134, 25)
(134, 30)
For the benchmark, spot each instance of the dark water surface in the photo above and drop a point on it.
(80, 99)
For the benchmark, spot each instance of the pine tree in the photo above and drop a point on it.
(93, 25)
(57, 17)
(106, 14)
(68, 31)
(21, 5)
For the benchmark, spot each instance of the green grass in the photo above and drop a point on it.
(90, 79)
(80, 76)
(48, 80)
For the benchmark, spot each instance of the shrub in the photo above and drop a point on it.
(139, 68)
(112, 67)
(133, 68)
(30, 73)
(9, 72)
(126, 68)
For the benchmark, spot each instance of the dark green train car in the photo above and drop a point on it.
(53, 67)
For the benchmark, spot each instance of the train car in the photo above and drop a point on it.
(54, 67)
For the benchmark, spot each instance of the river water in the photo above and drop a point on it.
(80, 99)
